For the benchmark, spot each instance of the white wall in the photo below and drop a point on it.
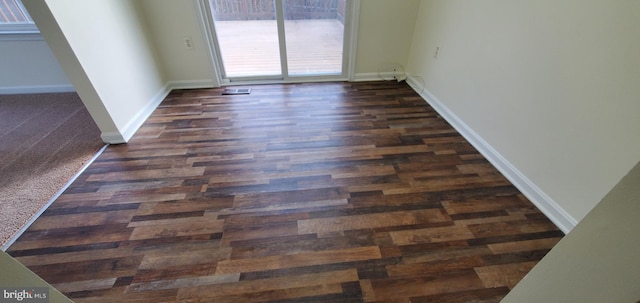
(597, 261)
(104, 48)
(28, 66)
(169, 22)
(550, 86)
(384, 37)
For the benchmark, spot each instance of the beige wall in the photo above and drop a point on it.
(104, 49)
(384, 37)
(597, 261)
(551, 85)
(169, 22)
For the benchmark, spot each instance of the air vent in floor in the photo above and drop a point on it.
(236, 91)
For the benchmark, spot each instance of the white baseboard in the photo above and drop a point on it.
(539, 198)
(134, 124)
(36, 89)
(190, 84)
(113, 138)
(388, 76)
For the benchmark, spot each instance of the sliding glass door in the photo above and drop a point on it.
(314, 33)
(247, 38)
(280, 39)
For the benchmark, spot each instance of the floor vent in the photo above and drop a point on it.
(236, 91)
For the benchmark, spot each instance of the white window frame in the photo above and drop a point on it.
(20, 31)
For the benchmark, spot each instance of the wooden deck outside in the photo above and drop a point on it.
(250, 48)
(10, 12)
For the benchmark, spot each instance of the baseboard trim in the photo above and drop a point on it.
(190, 84)
(136, 122)
(132, 127)
(36, 89)
(537, 196)
(113, 138)
(387, 76)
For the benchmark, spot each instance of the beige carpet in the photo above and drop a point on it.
(45, 139)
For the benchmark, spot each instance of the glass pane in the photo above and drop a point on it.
(248, 37)
(12, 12)
(314, 31)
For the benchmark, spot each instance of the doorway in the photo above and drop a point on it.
(282, 40)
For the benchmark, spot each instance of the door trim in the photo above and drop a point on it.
(351, 38)
(204, 14)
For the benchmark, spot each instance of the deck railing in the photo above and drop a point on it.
(228, 10)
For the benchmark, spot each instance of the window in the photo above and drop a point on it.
(14, 18)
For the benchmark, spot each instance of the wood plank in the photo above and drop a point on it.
(298, 260)
(431, 235)
(504, 275)
(426, 285)
(331, 225)
(256, 286)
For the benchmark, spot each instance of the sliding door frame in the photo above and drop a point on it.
(207, 25)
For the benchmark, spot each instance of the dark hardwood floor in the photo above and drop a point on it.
(325, 192)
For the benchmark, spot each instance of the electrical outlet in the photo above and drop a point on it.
(188, 43)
